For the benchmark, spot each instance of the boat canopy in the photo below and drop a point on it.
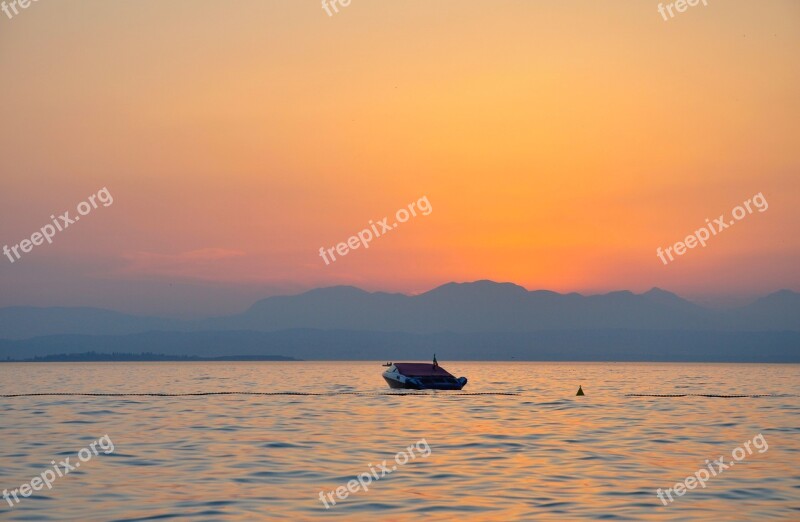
(421, 370)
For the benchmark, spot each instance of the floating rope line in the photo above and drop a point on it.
(373, 394)
(201, 394)
(702, 395)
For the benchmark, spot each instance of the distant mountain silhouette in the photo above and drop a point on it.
(481, 306)
(485, 306)
(21, 322)
(777, 311)
(552, 345)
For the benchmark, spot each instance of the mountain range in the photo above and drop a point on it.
(326, 323)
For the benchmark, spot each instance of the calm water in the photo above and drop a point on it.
(541, 455)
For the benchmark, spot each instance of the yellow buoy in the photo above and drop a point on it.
(580, 391)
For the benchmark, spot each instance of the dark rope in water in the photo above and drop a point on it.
(701, 395)
(200, 394)
(373, 394)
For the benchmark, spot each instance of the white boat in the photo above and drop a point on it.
(422, 376)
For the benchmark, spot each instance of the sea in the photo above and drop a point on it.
(330, 441)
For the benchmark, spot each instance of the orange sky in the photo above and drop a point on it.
(559, 143)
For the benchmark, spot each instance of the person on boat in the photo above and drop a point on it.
(435, 364)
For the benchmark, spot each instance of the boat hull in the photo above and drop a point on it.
(401, 382)
(397, 385)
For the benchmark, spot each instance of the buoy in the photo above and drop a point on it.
(580, 391)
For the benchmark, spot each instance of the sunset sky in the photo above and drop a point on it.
(559, 144)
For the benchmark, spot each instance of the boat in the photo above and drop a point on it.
(422, 376)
